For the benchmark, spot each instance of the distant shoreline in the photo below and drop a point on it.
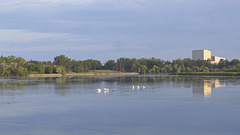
(81, 74)
(45, 75)
(209, 73)
(92, 74)
(112, 73)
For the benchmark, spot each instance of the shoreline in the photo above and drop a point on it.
(217, 74)
(45, 75)
(208, 73)
(81, 74)
(99, 74)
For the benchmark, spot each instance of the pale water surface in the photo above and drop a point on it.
(169, 105)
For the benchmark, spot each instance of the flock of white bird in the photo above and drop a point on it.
(105, 90)
(138, 87)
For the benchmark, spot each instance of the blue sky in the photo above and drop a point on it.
(109, 29)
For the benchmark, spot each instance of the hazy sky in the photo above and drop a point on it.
(109, 29)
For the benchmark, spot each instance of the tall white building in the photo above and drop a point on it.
(206, 55)
(201, 55)
(216, 59)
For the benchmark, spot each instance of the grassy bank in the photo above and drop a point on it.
(45, 75)
(209, 73)
(91, 72)
(101, 72)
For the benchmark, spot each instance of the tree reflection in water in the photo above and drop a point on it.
(67, 85)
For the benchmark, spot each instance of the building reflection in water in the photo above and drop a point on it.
(204, 87)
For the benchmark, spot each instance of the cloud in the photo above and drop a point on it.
(20, 36)
(23, 5)
(27, 41)
(67, 47)
(20, 3)
(39, 2)
(55, 5)
(118, 26)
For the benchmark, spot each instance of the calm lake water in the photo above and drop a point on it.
(169, 105)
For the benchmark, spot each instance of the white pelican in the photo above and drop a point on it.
(133, 87)
(105, 89)
(143, 87)
(138, 87)
(99, 90)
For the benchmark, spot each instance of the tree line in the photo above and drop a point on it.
(153, 65)
(18, 66)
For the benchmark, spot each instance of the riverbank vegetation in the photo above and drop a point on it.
(154, 66)
(18, 66)
(209, 73)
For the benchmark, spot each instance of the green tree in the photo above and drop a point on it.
(64, 61)
(20, 61)
(40, 69)
(143, 69)
(48, 70)
(205, 69)
(156, 69)
(109, 65)
(77, 66)
(59, 70)
(19, 71)
(32, 67)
